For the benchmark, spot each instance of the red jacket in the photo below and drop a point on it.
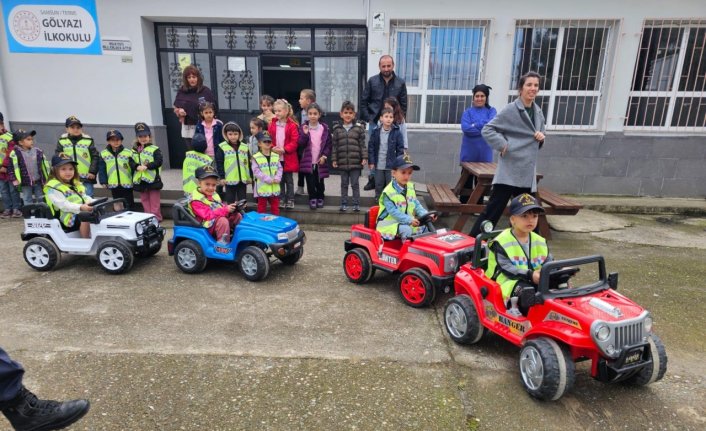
(291, 137)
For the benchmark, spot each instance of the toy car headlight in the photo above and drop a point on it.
(282, 236)
(139, 228)
(450, 262)
(647, 324)
(154, 222)
(602, 332)
(486, 226)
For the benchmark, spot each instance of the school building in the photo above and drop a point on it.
(624, 88)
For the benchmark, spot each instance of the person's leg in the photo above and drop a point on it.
(404, 231)
(354, 179)
(290, 189)
(156, 204)
(241, 192)
(145, 200)
(379, 183)
(300, 183)
(26, 195)
(233, 219)
(262, 205)
(229, 194)
(345, 178)
(15, 196)
(274, 204)
(499, 196)
(11, 373)
(88, 186)
(221, 230)
(5, 187)
(311, 189)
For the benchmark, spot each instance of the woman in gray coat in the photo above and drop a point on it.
(517, 134)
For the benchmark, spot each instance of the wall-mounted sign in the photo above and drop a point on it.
(379, 21)
(116, 45)
(52, 26)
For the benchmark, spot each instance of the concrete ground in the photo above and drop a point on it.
(156, 349)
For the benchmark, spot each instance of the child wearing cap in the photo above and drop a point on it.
(194, 159)
(517, 253)
(10, 196)
(147, 158)
(233, 163)
(80, 147)
(204, 203)
(67, 197)
(267, 172)
(28, 169)
(399, 207)
(115, 168)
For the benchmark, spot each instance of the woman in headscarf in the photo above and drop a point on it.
(473, 146)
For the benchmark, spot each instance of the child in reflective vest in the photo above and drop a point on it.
(148, 161)
(399, 206)
(193, 160)
(28, 168)
(267, 172)
(233, 163)
(10, 196)
(517, 253)
(66, 196)
(205, 204)
(80, 147)
(115, 168)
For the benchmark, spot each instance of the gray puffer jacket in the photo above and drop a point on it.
(348, 146)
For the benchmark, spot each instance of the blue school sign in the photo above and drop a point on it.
(52, 26)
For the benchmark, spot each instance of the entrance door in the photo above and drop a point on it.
(283, 77)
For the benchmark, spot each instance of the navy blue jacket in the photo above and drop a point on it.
(395, 146)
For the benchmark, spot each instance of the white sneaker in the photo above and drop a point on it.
(299, 191)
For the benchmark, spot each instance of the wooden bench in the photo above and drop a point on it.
(557, 205)
(443, 197)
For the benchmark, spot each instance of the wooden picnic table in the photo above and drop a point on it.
(446, 199)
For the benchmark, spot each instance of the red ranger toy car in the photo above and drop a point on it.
(566, 324)
(426, 262)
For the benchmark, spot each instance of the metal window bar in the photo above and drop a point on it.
(669, 80)
(449, 62)
(571, 56)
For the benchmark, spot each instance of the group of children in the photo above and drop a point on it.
(67, 183)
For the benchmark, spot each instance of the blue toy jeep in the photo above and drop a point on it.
(256, 238)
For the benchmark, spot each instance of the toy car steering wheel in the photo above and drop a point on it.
(241, 204)
(559, 279)
(426, 218)
(98, 201)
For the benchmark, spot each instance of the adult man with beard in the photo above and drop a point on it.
(378, 88)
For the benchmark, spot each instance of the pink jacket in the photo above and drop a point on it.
(203, 212)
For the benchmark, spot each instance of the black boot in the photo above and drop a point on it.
(28, 413)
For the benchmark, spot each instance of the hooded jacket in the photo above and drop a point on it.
(349, 148)
(220, 156)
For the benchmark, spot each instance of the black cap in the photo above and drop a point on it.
(198, 142)
(112, 133)
(404, 162)
(523, 203)
(263, 137)
(206, 172)
(2, 118)
(61, 159)
(20, 134)
(72, 120)
(142, 129)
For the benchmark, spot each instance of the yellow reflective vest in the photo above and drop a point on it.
(145, 157)
(214, 204)
(80, 152)
(45, 167)
(117, 168)
(387, 225)
(5, 139)
(236, 163)
(270, 169)
(75, 195)
(538, 255)
(193, 161)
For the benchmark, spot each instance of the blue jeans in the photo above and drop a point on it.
(10, 377)
(10, 196)
(28, 191)
(89, 187)
(405, 231)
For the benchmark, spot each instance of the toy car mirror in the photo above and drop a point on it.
(613, 280)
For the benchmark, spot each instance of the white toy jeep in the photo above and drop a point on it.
(116, 237)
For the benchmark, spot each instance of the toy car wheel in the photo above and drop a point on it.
(115, 257)
(189, 257)
(461, 319)
(650, 373)
(41, 254)
(416, 287)
(293, 258)
(547, 369)
(254, 263)
(358, 266)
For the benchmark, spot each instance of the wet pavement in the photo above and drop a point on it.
(156, 349)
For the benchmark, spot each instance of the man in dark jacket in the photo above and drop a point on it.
(379, 87)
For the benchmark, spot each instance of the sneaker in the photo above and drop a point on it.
(16, 214)
(6, 214)
(27, 412)
(371, 183)
(356, 208)
(282, 203)
(299, 191)
(343, 208)
(312, 204)
(319, 203)
(290, 205)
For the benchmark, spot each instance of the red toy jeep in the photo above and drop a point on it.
(566, 324)
(426, 262)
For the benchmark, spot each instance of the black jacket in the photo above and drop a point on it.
(349, 149)
(374, 93)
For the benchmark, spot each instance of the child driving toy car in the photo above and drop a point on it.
(517, 253)
(65, 194)
(205, 204)
(400, 208)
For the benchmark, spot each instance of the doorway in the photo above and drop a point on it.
(284, 76)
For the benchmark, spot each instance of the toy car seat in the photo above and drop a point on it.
(181, 215)
(371, 218)
(39, 210)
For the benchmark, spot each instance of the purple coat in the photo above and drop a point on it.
(307, 160)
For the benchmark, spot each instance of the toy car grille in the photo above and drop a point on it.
(629, 334)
